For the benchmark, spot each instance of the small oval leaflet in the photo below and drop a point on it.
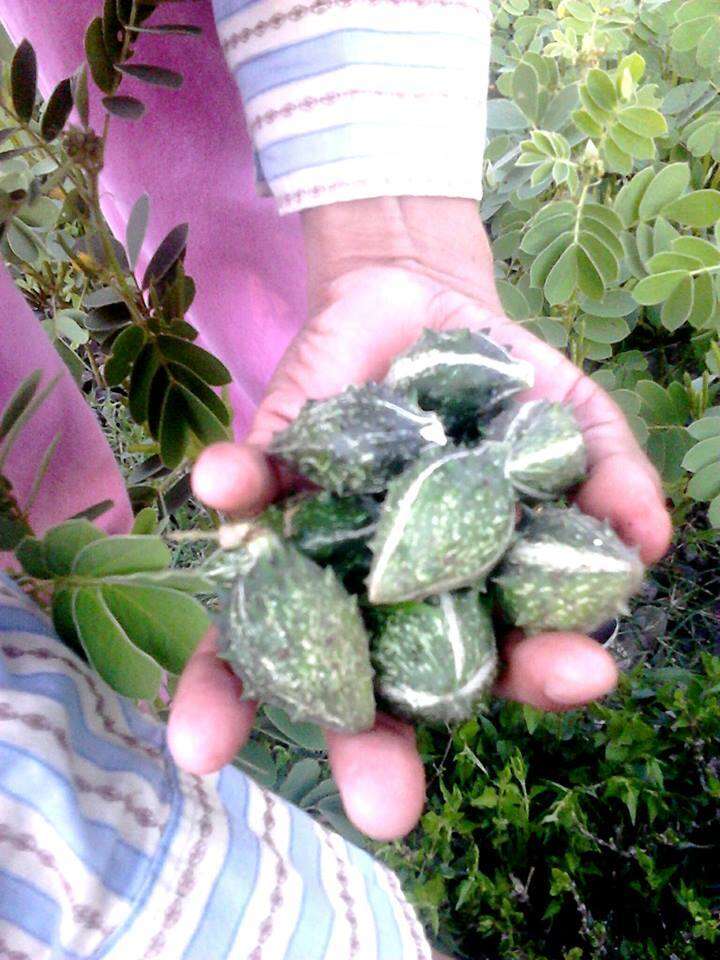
(355, 442)
(567, 571)
(446, 522)
(436, 660)
(547, 449)
(296, 638)
(459, 374)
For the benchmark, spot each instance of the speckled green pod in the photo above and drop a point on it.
(357, 441)
(567, 571)
(446, 522)
(324, 525)
(459, 374)
(436, 660)
(547, 449)
(296, 638)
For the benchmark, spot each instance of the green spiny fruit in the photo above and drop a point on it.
(446, 521)
(324, 525)
(567, 571)
(296, 638)
(355, 442)
(436, 660)
(547, 449)
(459, 374)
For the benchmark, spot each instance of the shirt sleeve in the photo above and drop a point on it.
(347, 99)
(107, 849)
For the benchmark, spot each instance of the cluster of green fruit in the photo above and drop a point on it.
(432, 525)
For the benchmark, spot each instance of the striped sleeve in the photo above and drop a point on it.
(348, 99)
(107, 850)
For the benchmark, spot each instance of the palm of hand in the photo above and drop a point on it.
(364, 319)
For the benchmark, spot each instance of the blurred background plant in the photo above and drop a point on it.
(589, 835)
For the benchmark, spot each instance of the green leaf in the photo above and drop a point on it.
(128, 108)
(658, 405)
(145, 522)
(201, 362)
(143, 372)
(165, 624)
(57, 110)
(65, 541)
(156, 401)
(606, 329)
(658, 287)
(705, 484)
(99, 60)
(644, 121)
(303, 776)
(563, 277)
(705, 428)
(23, 80)
(126, 348)
(257, 762)
(615, 303)
(159, 76)
(505, 115)
(19, 402)
(94, 511)
(601, 89)
(80, 96)
(112, 30)
(513, 300)
(306, 735)
(30, 553)
(525, 88)
(171, 249)
(702, 250)
(129, 671)
(590, 280)
(114, 556)
(702, 454)
(201, 420)
(698, 209)
(22, 245)
(136, 228)
(184, 376)
(668, 185)
(173, 428)
(678, 307)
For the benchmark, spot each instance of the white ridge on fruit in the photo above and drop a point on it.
(422, 700)
(407, 367)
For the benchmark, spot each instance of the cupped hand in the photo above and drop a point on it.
(363, 319)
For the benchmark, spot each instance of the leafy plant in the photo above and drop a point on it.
(589, 834)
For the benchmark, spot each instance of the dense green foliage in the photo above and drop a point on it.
(602, 175)
(590, 834)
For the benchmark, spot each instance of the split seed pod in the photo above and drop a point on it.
(357, 441)
(459, 374)
(547, 449)
(436, 660)
(445, 523)
(567, 571)
(296, 638)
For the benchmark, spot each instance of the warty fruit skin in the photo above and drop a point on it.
(566, 571)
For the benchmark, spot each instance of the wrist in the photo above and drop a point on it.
(441, 237)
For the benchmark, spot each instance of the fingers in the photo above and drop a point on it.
(380, 777)
(621, 489)
(208, 720)
(234, 478)
(556, 671)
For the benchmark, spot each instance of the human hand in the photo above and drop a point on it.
(377, 280)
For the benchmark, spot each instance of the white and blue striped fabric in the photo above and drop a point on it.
(108, 850)
(347, 99)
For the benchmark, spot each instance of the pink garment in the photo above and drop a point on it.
(192, 155)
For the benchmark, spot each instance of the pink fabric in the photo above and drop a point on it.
(192, 155)
(82, 471)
